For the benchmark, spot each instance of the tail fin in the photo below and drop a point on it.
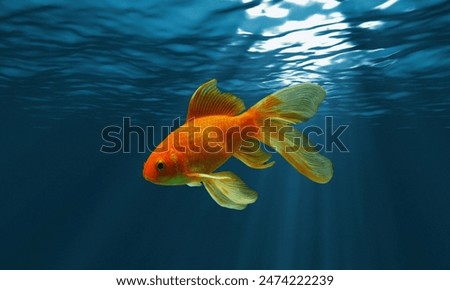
(276, 114)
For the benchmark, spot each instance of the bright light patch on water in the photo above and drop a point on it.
(276, 11)
(371, 24)
(265, 9)
(300, 36)
(305, 43)
(242, 31)
(386, 4)
(327, 4)
(309, 23)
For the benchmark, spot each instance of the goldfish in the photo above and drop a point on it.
(217, 128)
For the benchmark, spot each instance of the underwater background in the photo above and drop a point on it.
(69, 69)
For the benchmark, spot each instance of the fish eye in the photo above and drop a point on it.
(160, 166)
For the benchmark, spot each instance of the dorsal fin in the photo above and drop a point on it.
(208, 100)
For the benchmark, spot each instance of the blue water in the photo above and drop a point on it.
(68, 69)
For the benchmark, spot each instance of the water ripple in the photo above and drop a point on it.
(110, 59)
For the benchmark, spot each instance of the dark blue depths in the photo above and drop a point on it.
(69, 71)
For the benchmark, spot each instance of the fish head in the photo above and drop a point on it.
(163, 168)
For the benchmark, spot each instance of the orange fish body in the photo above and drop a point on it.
(199, 146)
(216, 129)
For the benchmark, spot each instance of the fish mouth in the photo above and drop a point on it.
(146, 178)
(154, 181)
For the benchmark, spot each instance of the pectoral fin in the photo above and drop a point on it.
(228, 190)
